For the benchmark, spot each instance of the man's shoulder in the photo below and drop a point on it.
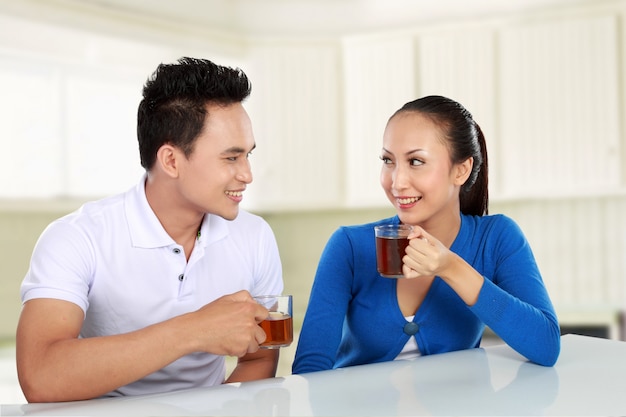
(104, 207)
(93, 215)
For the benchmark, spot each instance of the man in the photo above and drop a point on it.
(146, 291)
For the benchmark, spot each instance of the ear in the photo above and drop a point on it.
(167, 160)
(463, 171)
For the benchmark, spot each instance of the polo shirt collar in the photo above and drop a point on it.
(212, 229)
(146, 230)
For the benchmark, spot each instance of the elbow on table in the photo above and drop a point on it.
(36, 390)
(310, 364)
(548, 354)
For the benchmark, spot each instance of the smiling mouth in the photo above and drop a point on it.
(408, 200)
(234, 193)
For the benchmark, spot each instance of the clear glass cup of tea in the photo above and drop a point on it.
(391, 243)
(278, 326)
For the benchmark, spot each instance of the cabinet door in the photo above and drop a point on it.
(460, 63)
(30, 129)
(101, 124)
(295, 109)
(379, 77)
(559, 106)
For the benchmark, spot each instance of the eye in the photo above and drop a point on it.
(386, 160)
(415, 162)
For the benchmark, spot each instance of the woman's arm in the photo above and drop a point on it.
(331, 292)
(514, 302)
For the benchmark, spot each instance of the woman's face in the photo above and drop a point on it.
(417, 173)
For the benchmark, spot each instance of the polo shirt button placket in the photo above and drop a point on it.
(177, 251)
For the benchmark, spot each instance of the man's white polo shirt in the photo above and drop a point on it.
(113, 258)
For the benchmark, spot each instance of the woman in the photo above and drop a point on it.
(464, 269)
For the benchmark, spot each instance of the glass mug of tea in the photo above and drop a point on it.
(278, 326)
(391, 243)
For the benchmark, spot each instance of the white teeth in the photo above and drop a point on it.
(407, 200)
(234, 193)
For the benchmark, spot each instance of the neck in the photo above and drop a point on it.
(445, 226)
(181, 223)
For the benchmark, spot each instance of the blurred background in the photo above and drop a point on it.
(545, 79)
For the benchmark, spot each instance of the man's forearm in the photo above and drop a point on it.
(259, 365)
(77, 369)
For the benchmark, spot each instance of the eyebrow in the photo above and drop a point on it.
(407, 153)
(237, 150)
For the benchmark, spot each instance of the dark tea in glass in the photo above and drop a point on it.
(391, 243)
(278, 326)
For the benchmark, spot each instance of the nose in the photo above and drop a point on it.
(399, 178)
(245, 173)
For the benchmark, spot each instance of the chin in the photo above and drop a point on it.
(230, 215)
(406, 218)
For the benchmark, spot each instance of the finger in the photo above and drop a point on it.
(414, 264)
(417, 246)
(427, 237)
(242, 295)
(409, 272)
(260, 335)
(260, 313)
(416, 231)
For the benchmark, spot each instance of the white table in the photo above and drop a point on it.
(588, 379)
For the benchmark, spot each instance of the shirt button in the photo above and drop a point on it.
(176, 251)
(181, 277)
(411, 328)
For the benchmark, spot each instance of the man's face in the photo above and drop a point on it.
(216, 174)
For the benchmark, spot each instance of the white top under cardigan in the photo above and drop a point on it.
(410, 349)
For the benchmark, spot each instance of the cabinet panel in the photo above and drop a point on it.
(295, 111)
(460, 64)
(579, 245)
(69, 107)
(30, 130)
(101, 117)
(379, 77)
(559, 106)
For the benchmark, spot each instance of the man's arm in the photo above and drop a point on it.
(258, 365)
(55, 365)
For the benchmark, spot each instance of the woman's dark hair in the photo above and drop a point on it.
(464, 139)
(173, 108)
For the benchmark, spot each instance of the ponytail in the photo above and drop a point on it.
(474, 197)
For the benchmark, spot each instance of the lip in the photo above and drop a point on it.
(405, 202)
(234, 195)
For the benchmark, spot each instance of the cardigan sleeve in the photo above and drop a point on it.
(330, 295)
(514, 302)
